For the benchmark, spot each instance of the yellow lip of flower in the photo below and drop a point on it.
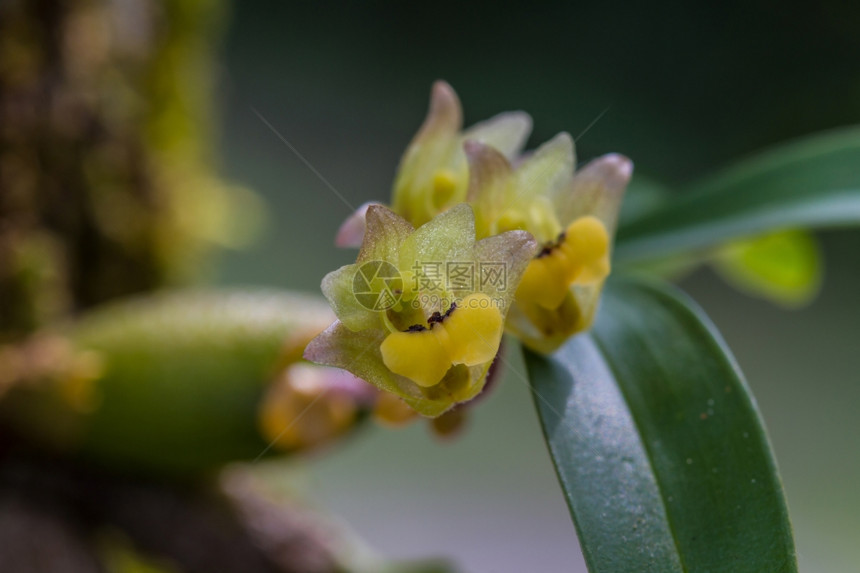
(579, 256)
(468, 333)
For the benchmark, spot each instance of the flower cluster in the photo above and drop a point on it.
(531, 237)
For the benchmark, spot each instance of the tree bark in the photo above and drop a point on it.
(105, 160)
(60, 517)
(105, 147)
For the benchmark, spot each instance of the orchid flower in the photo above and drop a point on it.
(572, 216)
(433, 174)
(421, 312)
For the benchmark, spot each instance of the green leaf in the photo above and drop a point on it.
(643, 196)
(814, 182)
(783, 267)
(437, 566)
(658, 444)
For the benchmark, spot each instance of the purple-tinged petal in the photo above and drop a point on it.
(384, 233)
(351, 232)
(445, 113)
(598, 188)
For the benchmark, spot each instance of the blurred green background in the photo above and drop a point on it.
(681, 88)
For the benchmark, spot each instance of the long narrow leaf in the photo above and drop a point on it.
(658, 444)
(814, 182)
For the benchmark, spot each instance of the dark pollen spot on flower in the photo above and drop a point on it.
(436, 317)
(550, 246)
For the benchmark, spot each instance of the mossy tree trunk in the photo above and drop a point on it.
(105, 154)
(107, 188)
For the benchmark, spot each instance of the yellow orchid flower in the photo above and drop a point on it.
(572, 216)
(433, 174)
(421, 312)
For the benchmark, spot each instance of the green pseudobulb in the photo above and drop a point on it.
(176, 380)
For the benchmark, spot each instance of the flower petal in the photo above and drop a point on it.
(506, 132)
(340, 288)
(509, 254)
(384, 233)
(354, 291)
(597, 189)
(507, 199)
(548, 169)
(445, 113)
(359, 353)
(419, 356)
(544, 330)
(308, 406)
(474, 330)
(429, 173)
(447, 237)
(351, 232)
(545, 281)
(491, 186)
